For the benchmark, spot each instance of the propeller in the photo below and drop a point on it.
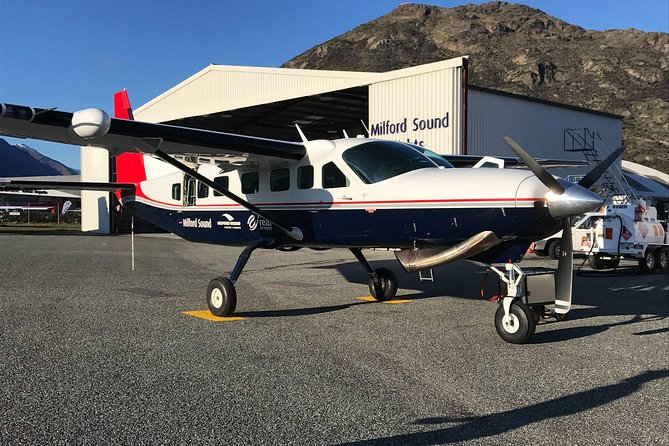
(592, 176)
(564, 200)
(564, 276)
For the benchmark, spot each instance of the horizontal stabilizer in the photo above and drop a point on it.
(9, 184)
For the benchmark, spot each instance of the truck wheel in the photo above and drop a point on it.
(596, 262)
(662, 257)
(554, 249)
(649, 262)
(612, 263)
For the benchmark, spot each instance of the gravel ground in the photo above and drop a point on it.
(94, 353)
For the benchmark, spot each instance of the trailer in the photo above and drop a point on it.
(614, 232)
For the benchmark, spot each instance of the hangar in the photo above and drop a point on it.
(431, 105)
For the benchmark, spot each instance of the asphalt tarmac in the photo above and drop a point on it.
(94, 353)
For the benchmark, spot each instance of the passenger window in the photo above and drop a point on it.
(279, 179)
(333, 177)
(250, 182)
(202, 190)
(305, 177)
(223, 182)
(176, 191)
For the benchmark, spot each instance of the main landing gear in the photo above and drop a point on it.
(221, 294)
(382, 282)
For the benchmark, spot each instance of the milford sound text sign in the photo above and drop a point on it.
(390, 128)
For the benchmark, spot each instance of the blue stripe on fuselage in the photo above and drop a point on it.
(396, 228)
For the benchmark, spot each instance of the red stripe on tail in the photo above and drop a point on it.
(129, 166)
(122, 109)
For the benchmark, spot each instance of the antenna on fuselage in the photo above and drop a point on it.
(366, 128)
(299, 130)
(345, 134)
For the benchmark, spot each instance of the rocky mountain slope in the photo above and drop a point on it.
(523, 50)
(22, 160)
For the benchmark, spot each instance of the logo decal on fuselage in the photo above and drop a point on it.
(229, 222)
(256, 222)
(196, 223)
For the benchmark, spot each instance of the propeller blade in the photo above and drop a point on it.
(597, 171)
(565, 275)
(541, 173)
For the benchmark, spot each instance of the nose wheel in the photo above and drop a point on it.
(518, 327)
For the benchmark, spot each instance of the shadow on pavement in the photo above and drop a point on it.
(473, 428)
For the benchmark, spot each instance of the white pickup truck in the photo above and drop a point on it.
(617, 231)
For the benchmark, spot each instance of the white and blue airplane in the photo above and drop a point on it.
(356, 193)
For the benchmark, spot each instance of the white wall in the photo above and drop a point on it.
(421, 98)
(536, 126)
(94, 204)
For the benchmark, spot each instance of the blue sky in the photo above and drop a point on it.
(75, 54)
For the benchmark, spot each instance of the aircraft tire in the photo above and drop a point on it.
(520, 326)
(388, 284)
(554, 250)
(221, 297)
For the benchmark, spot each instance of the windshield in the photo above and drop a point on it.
(438, 159)
(379, 160)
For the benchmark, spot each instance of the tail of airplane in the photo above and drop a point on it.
(129, 166)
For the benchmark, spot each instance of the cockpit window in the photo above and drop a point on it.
(379, 160)
(438, 159)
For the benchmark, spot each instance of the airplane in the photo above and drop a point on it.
(355, 193)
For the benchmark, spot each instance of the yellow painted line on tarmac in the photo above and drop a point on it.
(367, 298)
(390, 302)
(396, 301)
(206, 314)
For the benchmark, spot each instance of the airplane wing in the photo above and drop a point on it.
(511, 162)
(93, 127)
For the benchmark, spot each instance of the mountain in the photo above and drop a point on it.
(21, 160)
(523, 50)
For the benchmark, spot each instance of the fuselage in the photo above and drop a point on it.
(340, 197)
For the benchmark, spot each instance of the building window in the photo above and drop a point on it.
(333, 177)
(202, 190)
(305, 177)
(223, 183)
(176, 191)
(250, 182)
(279, 179)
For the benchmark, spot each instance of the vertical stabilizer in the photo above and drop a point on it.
(129, 166)
(122, 109)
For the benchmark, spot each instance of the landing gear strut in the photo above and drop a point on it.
(221, 293)
(382, 282)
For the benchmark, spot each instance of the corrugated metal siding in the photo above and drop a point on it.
(217, 89)
(535, 126)
(426, 96)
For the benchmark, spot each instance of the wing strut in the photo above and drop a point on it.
(293, 232)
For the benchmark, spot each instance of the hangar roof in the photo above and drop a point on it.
(268, 101)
